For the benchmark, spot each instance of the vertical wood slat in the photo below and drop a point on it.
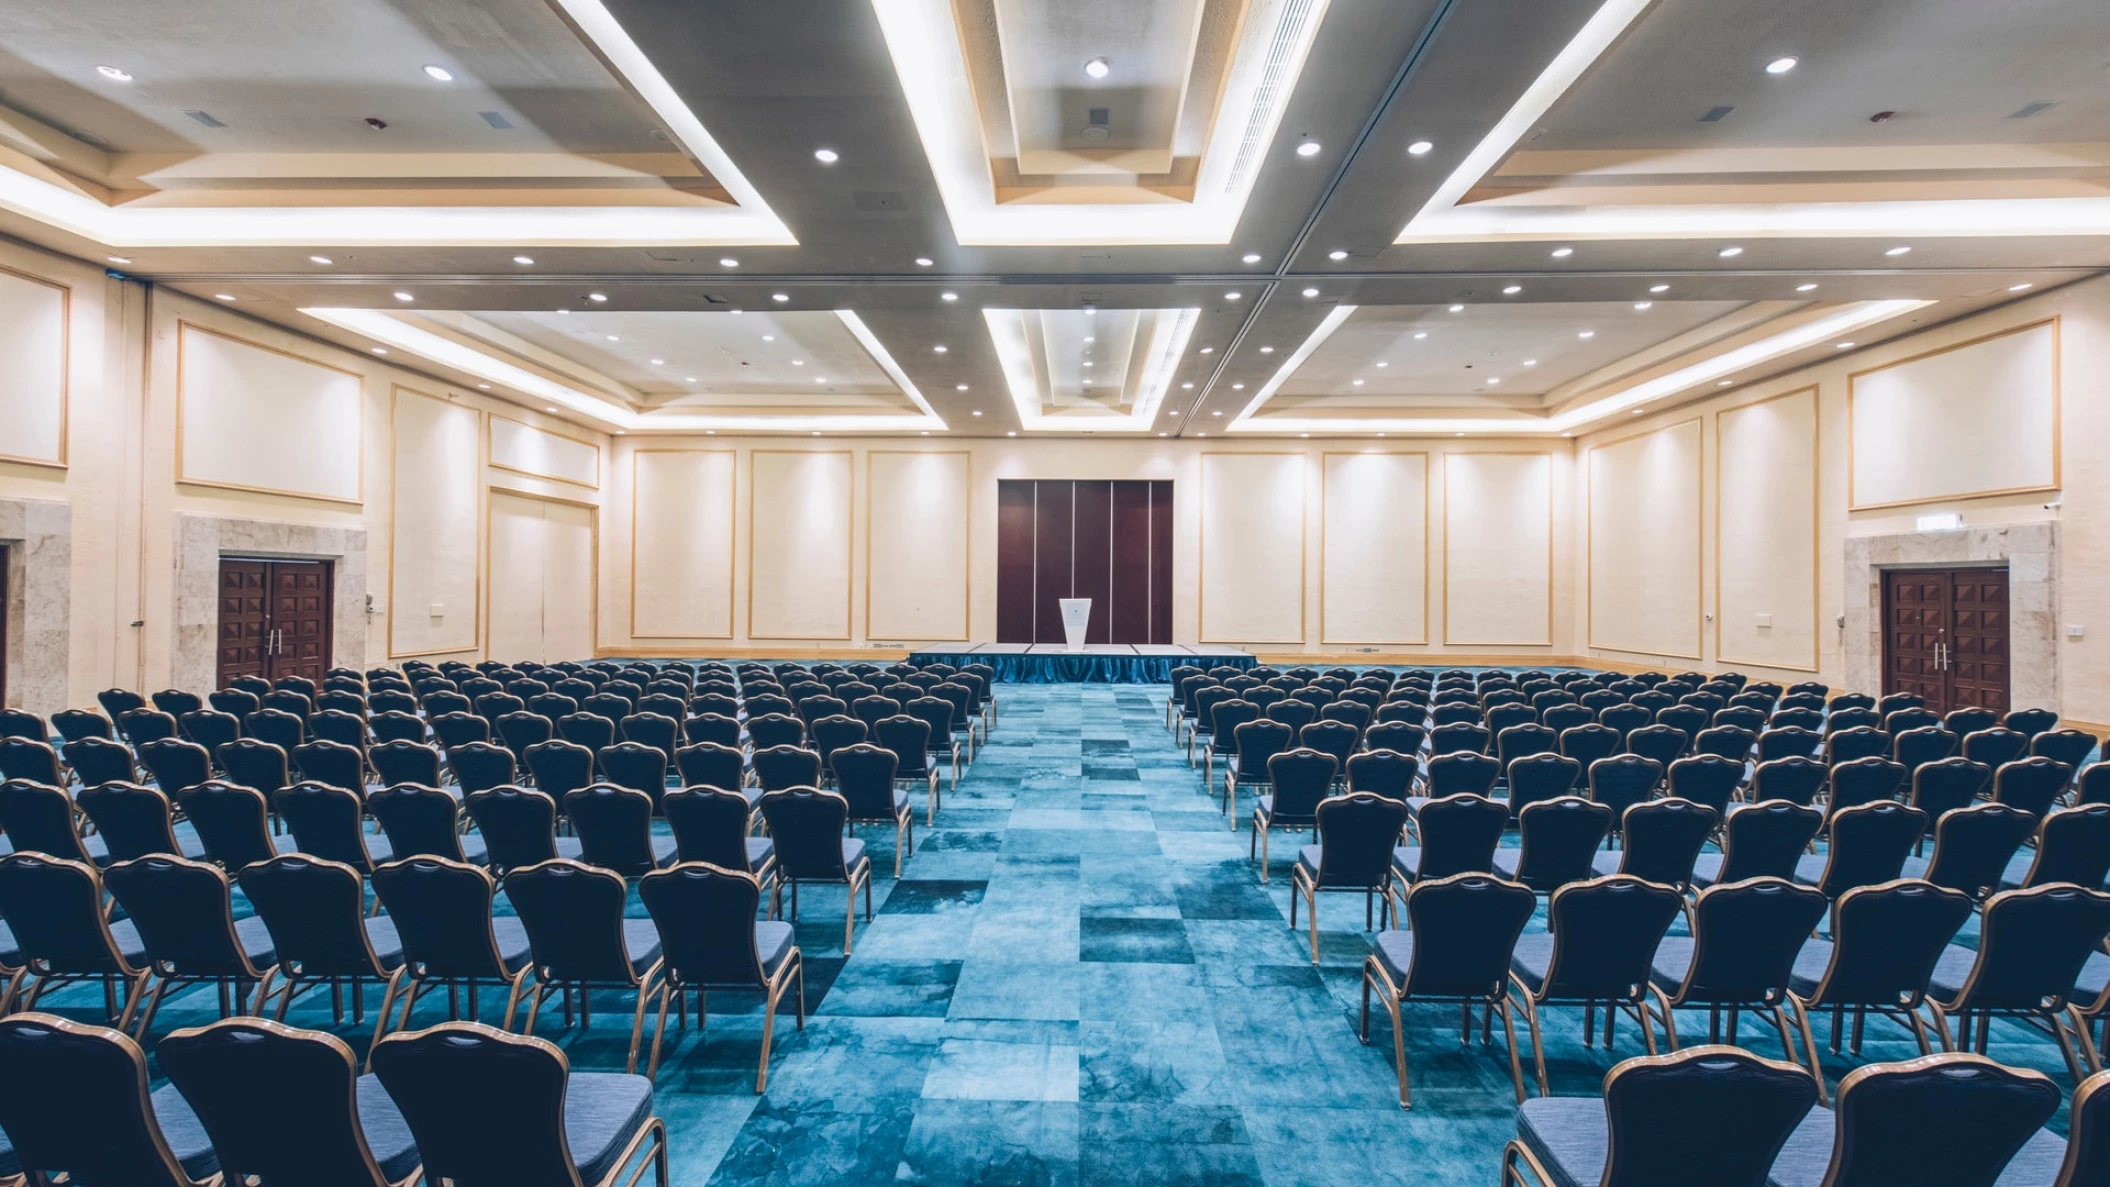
(1091, 557)
(1161, 561)
(1107, 540)
(1053, 532)
(1014, 560)
(1129, 598)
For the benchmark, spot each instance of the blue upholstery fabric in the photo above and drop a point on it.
(1606, 862)
(641, 940)
(10, 952)
(1568, 1135)
(387, 1135)
(602, 1112)
(759, 849)
(570, 847)
(1507, 860)
(474, 849)
(663, 848)
(9, 1164)
(2094, 976)
(512, 942)
(1415, 803)
(1395, 951)
(126, 933)
(256, 941)
(1810, 963)
(773, 940)
(1809, 868)
(1672, 962)
(1951, 971)
(1531, 960)
(1808, 1154)
(1707, 867)
(853, 852)
(1407, 860)
(185, 1134)
(381, 933)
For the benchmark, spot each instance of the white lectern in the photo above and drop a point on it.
(1076, 613)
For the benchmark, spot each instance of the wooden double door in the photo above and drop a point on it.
(1107, 540)
(1945, 636)
(274, 618)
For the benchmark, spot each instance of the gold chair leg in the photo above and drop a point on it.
(1809, 1042)
(1509, 1030)
(1531, 1024)
(637, 1021)
(659, 1029)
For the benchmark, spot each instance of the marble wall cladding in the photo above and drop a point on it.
(2031, 552)
(39, 538)
(201, 540)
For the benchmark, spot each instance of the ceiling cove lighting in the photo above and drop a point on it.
(941, 297)
(780, 296)
(923, 261)
(114, 73)
(597, 297)
(1512, 290)
(1457, 309)
(405, 297)
(323, 260)
(1659, 288)
(1706, 371)
(1233, 296)
(728, 262)
(1781, 65)
(1586, 335)
(1643, 306)
(439, 74)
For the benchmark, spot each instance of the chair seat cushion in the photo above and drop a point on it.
(1950, 973)
(126, 933)
(512, 942)
(853, 852)
(759, 850)
(388, 946)
(602, 1112)
(1807, 1155)
(571, 847)
(1415, 803)
(387, 1134)
(773, 943)
(1395, 951)
(1531, 959)
(641, 940)
(663, 849)
(1808, 970)
(185, 1133)
(10, 952)
(1567, 1134)
(1706, 868)
(1407, 860)
(1672, 963)
(1809, 868)
(1605, 862)
(474, 850)
(256, 943)
(1915, 867)
(2093, 979)
(1508, 862)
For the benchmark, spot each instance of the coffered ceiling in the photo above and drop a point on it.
(928, 216)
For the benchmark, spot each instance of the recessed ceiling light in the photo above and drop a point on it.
(948, 296)
(1562, 253)
(549, 409)
(1659, 288)
(121, 259)
(1097, 68)
(780, 296)
(439, 74)
(523, 259)
(1251, 257)
(1640, 306)
(1311, 292)
(1637, 411)
(1493, 381)
(1897, 251)
(405, 297)
(1457, 309)
(1187, 386)
(378, 349)
(1267, 350)
(1013, 433)
(1087, 362)
(1587, 334)
(659, 362)
(619, 432)
(1355, 382)
(2016, 288)
(1723, 382)
(923, 261)
(1531, 362)
(769, 337)
(1308, 148)
(223, 296)
(597, 297)
(311, 259)
(728, 262)
(1841, 345)
(960, 387)
(1421, 335)
(114, 74)
(1803, 288)
(1201, 434)
(976, 412)
(1219, 413)
(1164, 434)
(484, 386)
(941, 350)
(1208, 350)
(1303, 434)
(1457, 434)
(1780, 65)
(1091, 311)
(1419, 148)
(1238, 387)
(1233, 296)
(1089, 338)
(612, 338)
(816, 432)
(826, 156)
(926, 432)
(710, 432)
(819, 379)
(688, 379)
(1730, 252)
(1384, 364)
(1336, 254)
(798, 362)
(1512, 290)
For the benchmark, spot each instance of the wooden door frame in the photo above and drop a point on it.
(329, 608)
(1882, 610)
(6, 625)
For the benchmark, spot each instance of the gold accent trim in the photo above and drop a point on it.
(395, 520)
(65, 374)
(594, 577)
(359, 464)
(1201, 582)
(732, 547)
(2057, 418)
(966, 538)
(491, 450)
(1325, 458)
(1552, 494)
(849, 544)
(1816, 530)
(1699, 555)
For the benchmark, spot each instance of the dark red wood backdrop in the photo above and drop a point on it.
(1104, 540)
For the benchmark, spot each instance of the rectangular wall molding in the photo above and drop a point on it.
(1498, 549)
(1373, 546)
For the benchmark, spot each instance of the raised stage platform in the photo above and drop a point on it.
(1098, 663)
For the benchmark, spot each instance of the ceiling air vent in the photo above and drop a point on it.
(203, 117)
(1714, 114)
(496, 120)
(2031, 109)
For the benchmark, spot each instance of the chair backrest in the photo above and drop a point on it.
(657, 730)
(418, 818)
(1336, 738)
(2031, 722)
(55, 909)
(486, 1108)
(1459, 737)
(638, 766)
(780, 767)
(1462, 772)
(1605, 933)
(303, 1129)
(709, 764)
(1465, 929)
(1717, 1107)
(458, 728)
(590, 730)
(1665, 744)
(254, 762)
(1524, 740)
(1559, 837)
(1869, 780)
(34, 761)
(1995, 745)
(1764, 840)
(1294, 713)
(1590, 742)
(1972, 846)
(406, 761)
(1795, 778)
(38, 818)
(20, 723)
(1939, 786)
(1923, 744)
(806, 825)
(1389, 773)
(48, 1068)
(442, 912)
(232, 821)
(573, 914)
(313, 910)
(1356, 834)
(76, 724)
(1869, 844)
(326, 821)
(614, 824)
(1706, 779)
(1623, 780)
(1885, 940)
(2031, 784)
(909, 739)
(831, 734)
(2087, 1161)
(184, 911)
(1662, 839)
(132, 819)
(337, 725)
(2031, 946)
(1540, 777)
(1298, 778)
(1745, 938)
(2073, 845)
(1954, 1119)
(519, 824)
(864, 774)
(706, 919)
(710, 825)
(1459, 834)
(479, 766)
(2069, 746)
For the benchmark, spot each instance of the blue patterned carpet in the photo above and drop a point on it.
(1079, 979)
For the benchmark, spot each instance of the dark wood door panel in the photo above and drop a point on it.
(275, 619)
(1014, 560)
(1978, 667)
(245, 616)
(1107, 540)
(1129, 606)
(1091, 556)
(1054, 530)
(1945, 636)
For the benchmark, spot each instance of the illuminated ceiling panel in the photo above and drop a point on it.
(1073, 371)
